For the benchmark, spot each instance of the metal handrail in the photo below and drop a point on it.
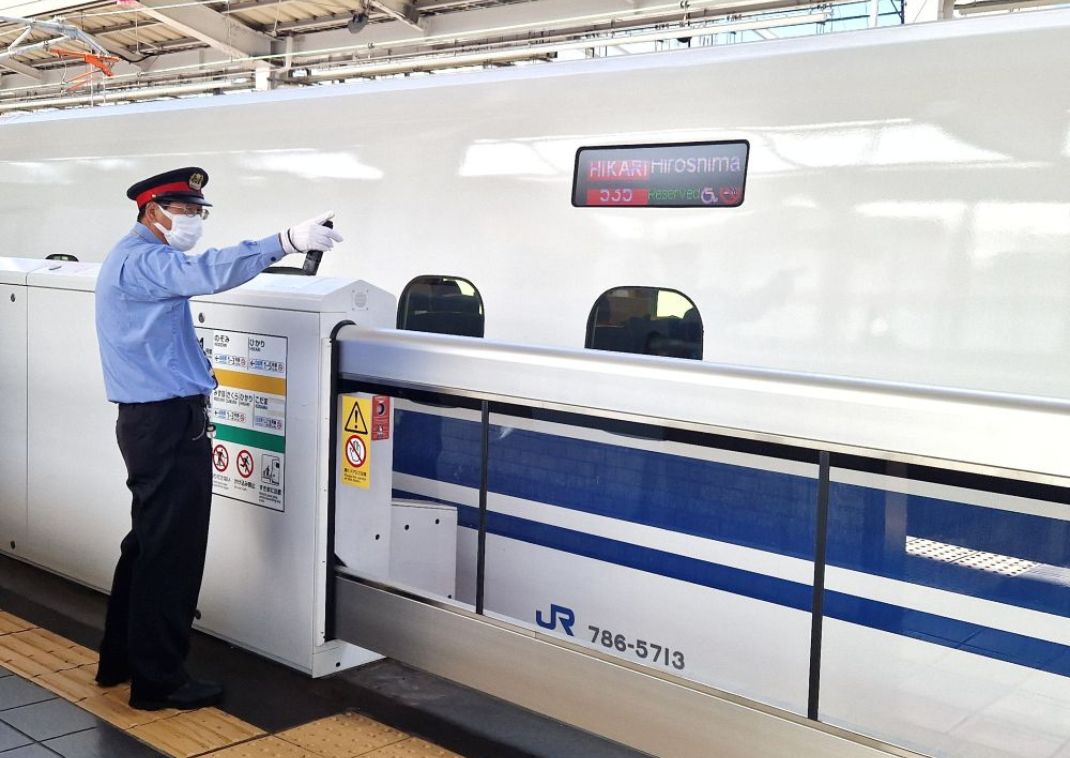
(1002, 434)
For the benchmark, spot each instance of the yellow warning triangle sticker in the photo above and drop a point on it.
(356, 424)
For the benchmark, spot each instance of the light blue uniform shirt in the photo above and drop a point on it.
(148, 348)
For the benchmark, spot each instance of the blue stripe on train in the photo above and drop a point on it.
(766, 510)
(961, 635)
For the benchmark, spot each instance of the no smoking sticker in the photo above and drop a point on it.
(355, 441)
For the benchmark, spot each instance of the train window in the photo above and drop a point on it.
(646, 320)
(441, 304)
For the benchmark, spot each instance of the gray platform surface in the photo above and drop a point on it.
(264, 693)
(34, 723)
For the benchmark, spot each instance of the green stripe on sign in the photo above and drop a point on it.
(248, 438)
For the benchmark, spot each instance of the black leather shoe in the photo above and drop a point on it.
(192, 694)
(109, 677)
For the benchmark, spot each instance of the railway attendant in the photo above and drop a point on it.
(157, 373)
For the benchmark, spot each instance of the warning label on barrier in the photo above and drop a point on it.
(356, 451)
(381, 417)
(356, 442)
(356, 421)
(248, 409)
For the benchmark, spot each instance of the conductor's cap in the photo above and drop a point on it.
(182, 184)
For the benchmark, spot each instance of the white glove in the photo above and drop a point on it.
(310, 235)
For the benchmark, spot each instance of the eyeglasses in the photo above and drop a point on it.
(185, 210)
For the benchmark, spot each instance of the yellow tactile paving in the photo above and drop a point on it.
(411, 748)
(76, 655)
(18, 654)
(28, 644)
(68, 669)
(115, 709)
(12, 645)
(265, 747)
(41, 640)
(9, 623)
(343, 736)
(74, 684)
(196, 732)
(28, 667)
(52, 638)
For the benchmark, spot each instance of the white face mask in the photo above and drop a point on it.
(184, 231)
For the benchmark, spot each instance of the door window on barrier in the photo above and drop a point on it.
(689, 555)
(442, 305)
(963, 652)
(646, 320)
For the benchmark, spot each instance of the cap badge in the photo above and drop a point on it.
(196, 181)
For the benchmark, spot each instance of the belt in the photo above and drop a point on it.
(198, 400)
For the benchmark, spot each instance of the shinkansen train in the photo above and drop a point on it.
(736, 311)
(901, 213)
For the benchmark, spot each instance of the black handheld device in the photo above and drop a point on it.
(310, 266)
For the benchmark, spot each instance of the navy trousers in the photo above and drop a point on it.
(167, 452)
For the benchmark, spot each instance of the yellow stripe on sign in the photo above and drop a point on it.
(253, 382)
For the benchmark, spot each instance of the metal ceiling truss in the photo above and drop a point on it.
(183, 47)
(56, 32)
(224, 33)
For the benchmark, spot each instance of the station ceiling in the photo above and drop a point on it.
(191, 47)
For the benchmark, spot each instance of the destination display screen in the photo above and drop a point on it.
(687, 175)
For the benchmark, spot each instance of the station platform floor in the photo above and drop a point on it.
(50, 706)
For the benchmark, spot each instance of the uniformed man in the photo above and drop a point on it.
(156, 371)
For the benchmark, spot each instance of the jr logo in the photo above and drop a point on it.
(559, 614)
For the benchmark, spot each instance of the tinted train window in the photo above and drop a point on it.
(646, 320)
(443, 305)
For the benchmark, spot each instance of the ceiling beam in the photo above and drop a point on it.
(216, 30)
(335, 19)
(21, 68)
(400, 10)
(120, 50)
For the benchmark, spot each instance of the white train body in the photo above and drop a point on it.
(906, 219)
(906, 214)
